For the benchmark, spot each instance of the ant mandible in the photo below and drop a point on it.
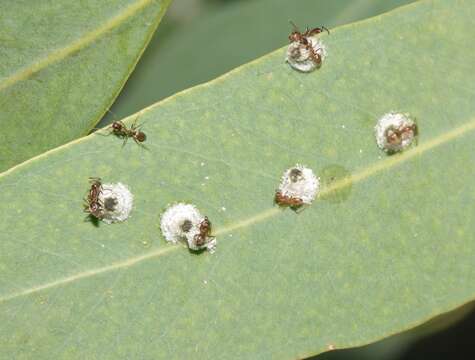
(302, 38)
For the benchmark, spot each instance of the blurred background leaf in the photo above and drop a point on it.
(202, 39)
(62, 63)
(445, 337)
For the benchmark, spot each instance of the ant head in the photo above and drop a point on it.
(140, 137)
(415, 129)
(116, 125)
(94, 207)
(393, 137)
(199, 239)
(295, 35)
(412, 128)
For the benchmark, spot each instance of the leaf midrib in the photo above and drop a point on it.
(80, 43)
(362, 175)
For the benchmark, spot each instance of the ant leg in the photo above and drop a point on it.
(316, 31)
(140, 144)
(298, 209)
(96, 131)
(316, 58)
(294, 26)
(134, 125)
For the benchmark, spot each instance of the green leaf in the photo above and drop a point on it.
(267, 28)
(388, 245)
(63, 63)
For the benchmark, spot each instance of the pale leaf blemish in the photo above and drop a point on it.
(117, 202)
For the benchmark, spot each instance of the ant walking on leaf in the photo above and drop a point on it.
(120, 130)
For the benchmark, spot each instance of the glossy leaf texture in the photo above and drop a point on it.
(388, 245)
(62, 65)
(229, 45)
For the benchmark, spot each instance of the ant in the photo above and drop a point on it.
(120, 130)
(302, 38)
(205, 232)
(290, 201)
(92, 204)
(396, 135)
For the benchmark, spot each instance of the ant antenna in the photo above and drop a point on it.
(294, 26)
(94, 129)
(324, 28)
(112, 113)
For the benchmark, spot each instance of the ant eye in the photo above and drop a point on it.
(395, 132)
(306, 54)
(299, 182)
(184, 223)
(117, 201)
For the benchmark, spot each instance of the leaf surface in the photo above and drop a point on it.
(388, 245)
(219, 43)
(63, 63)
